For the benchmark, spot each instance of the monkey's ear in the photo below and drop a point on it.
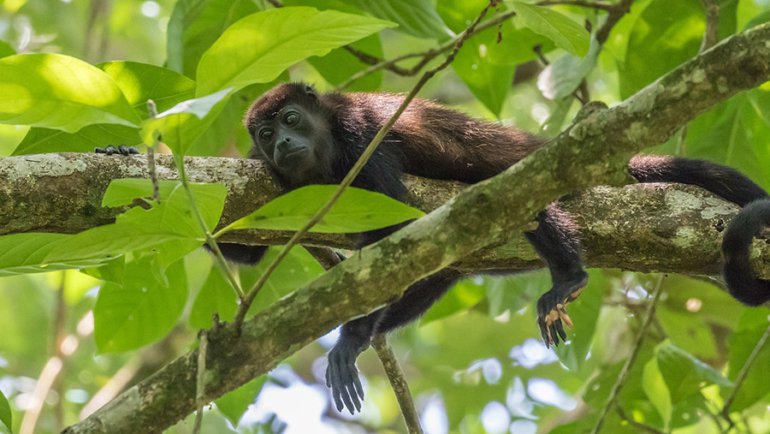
(310, 91)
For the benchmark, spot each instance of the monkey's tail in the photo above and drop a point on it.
(740, 278)
(725, 182)
(730, 185)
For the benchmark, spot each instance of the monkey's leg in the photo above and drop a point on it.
(355, 336)
(341, 373)
(241, 253)
(556, 240)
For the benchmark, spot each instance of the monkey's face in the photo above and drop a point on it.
(295, 142)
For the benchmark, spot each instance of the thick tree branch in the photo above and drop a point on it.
(591, 152)
(652, 227)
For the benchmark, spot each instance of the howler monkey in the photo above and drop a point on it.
(309, 138)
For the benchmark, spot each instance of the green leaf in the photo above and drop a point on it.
(42, 140)
(140, 310)
(6, 49)
(655, 388)
(665, 35)
(180, 125)
(742, 343)
(216, 296)
(489, 82)
(357, 210)
(277, 39)
(295, 271)
(461, 297)
(136, 229)
(564, 75)
(684, 374)
(28, 252)
(123, 191)
(564, 32)
(416, 17)
(6, 417)
(195, 25)
(141, 82)
(61, 92)
(337, 66)
(234, 404)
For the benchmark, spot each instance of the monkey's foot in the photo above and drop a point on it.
(342, 377)
(551, 311)
(121, 149)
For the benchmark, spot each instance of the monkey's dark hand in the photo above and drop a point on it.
(121, 149)
(342, 377)
(551, 311)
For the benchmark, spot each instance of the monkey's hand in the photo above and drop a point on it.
(551, 311)
(120, 149)
(342, 376)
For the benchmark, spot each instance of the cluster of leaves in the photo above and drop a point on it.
(222, 54)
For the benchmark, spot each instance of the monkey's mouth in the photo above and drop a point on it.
(292, 157)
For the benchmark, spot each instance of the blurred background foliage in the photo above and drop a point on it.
(474, 362)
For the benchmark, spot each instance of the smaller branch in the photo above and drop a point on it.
(426, 56)
(711, 35)
(615, 14)
(742, 375)
(580, 3)
(153, 110)
(616, 388)
(200, 380)
(398, 383)
(356, 169)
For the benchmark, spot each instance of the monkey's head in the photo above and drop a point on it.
(291, 132)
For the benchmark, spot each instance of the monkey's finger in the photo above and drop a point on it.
(558, 325)
(553, 332)
(544, 332)
(357, 385)
(346, 398)
(563, 315)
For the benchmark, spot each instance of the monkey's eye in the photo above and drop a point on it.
(265, 134)
(291, 118)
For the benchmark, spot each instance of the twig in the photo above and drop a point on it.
(398, 383)
(711, 35)
(426, 56)
(632, 358)
(613, 16)
(580, 3)
(152, 109)
(200, 380)
(741, 378)
(354, 171)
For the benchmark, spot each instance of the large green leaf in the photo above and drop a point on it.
(665, 34)
(28, 252)
(171, 220)
(356, 210)
(140, 309)
(182, 124)
(742, 344)
(61, 92)
(195, 25)
(564, 75)
(296, 270)
(277, 39)
(41, 140)
(215, 297)
(141, 82)
(564, 32)
(416, 17)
